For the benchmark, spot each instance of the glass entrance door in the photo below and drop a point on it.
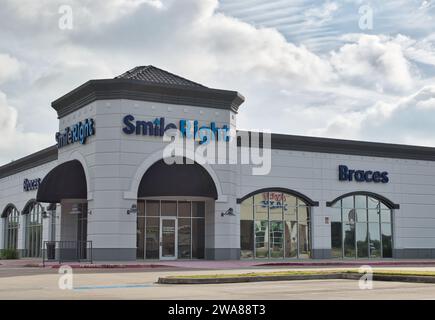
(168, 236)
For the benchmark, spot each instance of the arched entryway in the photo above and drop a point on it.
(173, 201)
(66, 184)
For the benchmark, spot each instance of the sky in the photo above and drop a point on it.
(360, 70)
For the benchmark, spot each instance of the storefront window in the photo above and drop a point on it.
(11, 228)
(274, 225)
(364, 225)
(190, 227)
(34, 230)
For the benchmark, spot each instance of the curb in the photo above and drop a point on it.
(330, 276)
(106, 266)
(346, 264)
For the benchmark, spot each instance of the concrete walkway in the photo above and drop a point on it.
(230, 264)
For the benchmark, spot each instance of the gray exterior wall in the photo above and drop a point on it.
(115, 162)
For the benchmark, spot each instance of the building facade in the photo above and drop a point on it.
(105, 189)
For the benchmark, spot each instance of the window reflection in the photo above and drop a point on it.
(274, 225)
(364, 225)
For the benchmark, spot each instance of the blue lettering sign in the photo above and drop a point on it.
(29, 185)
(76, 133)
(188, 129)
(345, 174)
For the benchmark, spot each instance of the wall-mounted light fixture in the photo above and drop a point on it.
(44, 214)
(229, 212)
(133, 209)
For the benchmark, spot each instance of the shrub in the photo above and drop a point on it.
(9, 254)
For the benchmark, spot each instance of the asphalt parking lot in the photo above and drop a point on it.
(133, 284)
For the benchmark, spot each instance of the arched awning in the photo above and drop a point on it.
(390, 204)
(297, 194)
(66, 181)
(29, 206)
(183, 180)
(7, 209)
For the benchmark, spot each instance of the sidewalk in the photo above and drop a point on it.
(210, 264)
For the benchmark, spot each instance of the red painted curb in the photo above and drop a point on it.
(110, 266)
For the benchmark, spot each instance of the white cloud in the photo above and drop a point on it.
(407, 120)
(374, 61)
(289, 88)
(9, 67)
(14, 141)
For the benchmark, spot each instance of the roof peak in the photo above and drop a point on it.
(153, 74)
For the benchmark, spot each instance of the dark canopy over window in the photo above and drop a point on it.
(66, 181)
(190, 180)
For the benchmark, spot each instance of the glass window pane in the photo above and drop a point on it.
(372, 203)
(198, 238)
(290, 214)
(375, 240)
(347, 202)
(140, 238)
(304, 240)
(184, 209)
(349, 215)
(261, 239)
(152, 208)
(360, 202)
(247, 238)
(374, 215)
(289, 200)
(276, 239)
(387, 241)
(361, 215)
(198, 209)
(261, 199)
(337, 204)
(291, 237)
(184, 234)
(349, 239)
(260, 213)
(261, 206)
(386, 216)
(169, 208)
(247, 209)
(275, 213)
(152, 238)
(362, 240)
(303, 214)
(384, 207)
(336, 239)
(141, 208)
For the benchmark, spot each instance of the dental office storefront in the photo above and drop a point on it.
(105, 188)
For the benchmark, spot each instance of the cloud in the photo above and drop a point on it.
(289, 88)
(14, 141)
(318, 15)
(408, 119)
(374, 61)
(9, 68)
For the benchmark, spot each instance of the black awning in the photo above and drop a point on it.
(184, 180)
(66, 181)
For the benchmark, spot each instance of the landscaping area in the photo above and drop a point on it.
(351, 274)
